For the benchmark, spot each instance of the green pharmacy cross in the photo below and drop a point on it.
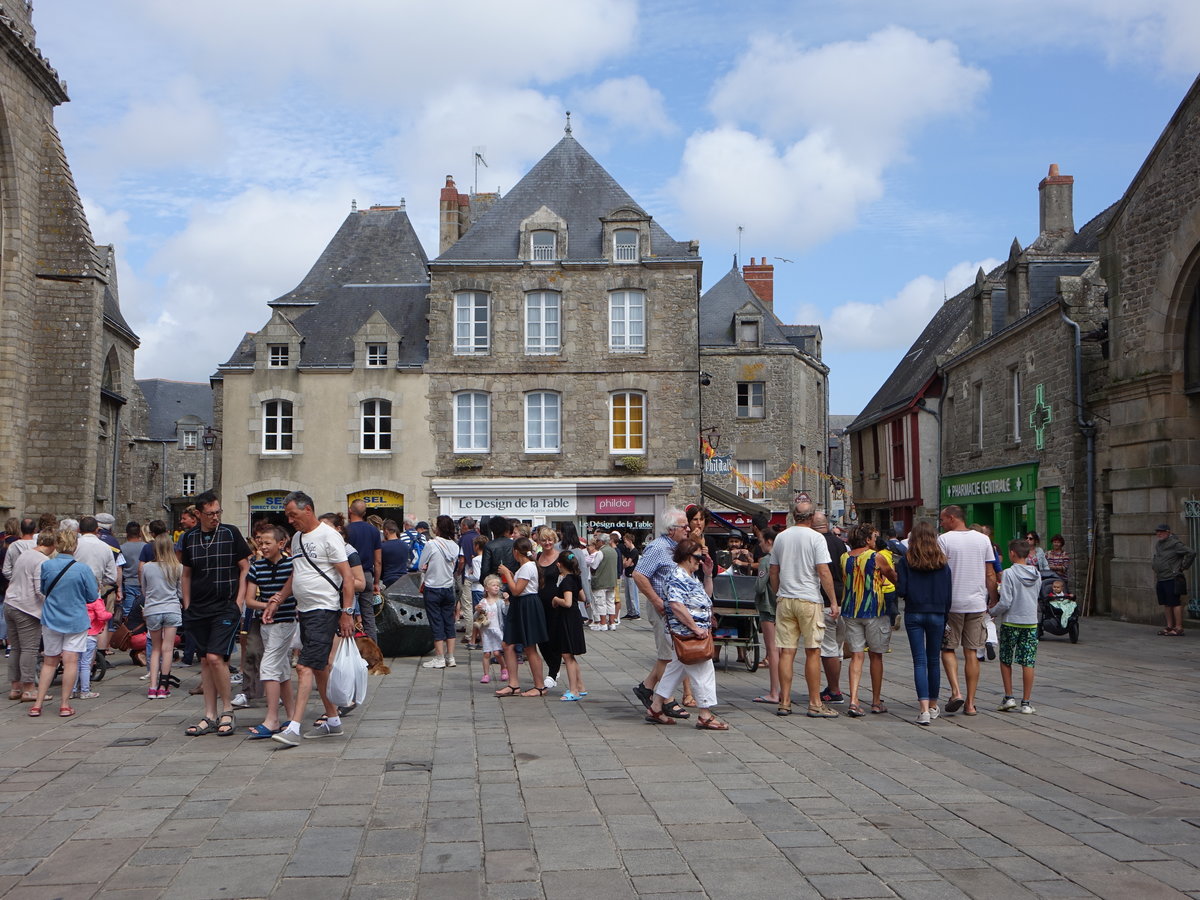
(1040, 416)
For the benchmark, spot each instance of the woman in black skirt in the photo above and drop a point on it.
(525, 622)
(547, 585)
(566, 627)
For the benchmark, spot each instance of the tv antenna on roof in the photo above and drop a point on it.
(740, 230)
(479, 159)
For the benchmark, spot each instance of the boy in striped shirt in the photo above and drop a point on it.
(268, 574)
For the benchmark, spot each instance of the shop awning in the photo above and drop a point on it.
(729, 500)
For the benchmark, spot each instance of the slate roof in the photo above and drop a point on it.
(170, 401)
(570, 183)
(1087, 239)
(112, 303)
(718, 308)
(373, 246)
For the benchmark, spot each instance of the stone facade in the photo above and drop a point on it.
(68, 402)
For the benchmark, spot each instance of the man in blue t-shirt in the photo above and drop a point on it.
(364, 537)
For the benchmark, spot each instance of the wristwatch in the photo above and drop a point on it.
(348, 612)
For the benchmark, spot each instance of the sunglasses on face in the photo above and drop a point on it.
(697, 556)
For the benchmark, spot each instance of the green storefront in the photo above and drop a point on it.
(1005, 499)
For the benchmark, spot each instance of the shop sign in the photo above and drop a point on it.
(1012, 483)
(608, 506)
(267, 501)
(620, 523)
(377, 498)
(719, 465)
(516, 506)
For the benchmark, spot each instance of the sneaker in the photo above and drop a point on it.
(88, 695)
(924, 718)
(598, 628)
(239, 702)
(550, 681)
(164, 693)
(236, 678)
(1027, 708)
(934, 712)
(323, 730)
(183, 664)
(486, 679)
(991, 650)
(144, 677)
(437, 662)
(612, 627)
(1006, 704)
(451, 662)
(504, 674)
(828, 696)
(151, 693)
(287, 738)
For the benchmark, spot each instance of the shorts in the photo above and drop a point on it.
(603, 603)
(874, 634)
(1018, 646)
(215, 634)
(663, 649)
(835, 636)
(159, 621)
(55, 643)
(765, 606)
(797, 620)
(317, 628)
(1168, 592)
(277, 648)
(966, 629)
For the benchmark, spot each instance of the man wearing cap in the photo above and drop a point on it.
(1172, 557)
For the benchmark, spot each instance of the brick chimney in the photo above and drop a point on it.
(450, 218)
(760, 278)
(1055, 203)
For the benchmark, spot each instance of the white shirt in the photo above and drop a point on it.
(326, 548)
(99, 557)
(528, 571)
(969, 555)
(798, 551)
(15, 549)
(438, 560)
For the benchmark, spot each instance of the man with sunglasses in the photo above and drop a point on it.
(215, 560)
(654, 569)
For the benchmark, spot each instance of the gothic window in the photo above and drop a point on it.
(1191, 347)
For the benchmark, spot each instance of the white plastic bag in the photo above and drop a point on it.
(347, 675)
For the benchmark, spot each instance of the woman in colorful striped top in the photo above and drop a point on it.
(867, 628)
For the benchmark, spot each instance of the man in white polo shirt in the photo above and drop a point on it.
(798, 574)
(973, 586)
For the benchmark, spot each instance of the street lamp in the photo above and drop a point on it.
(209, 438)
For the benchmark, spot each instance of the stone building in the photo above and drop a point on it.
(562, 354)
(1150, 257)
(764, 396)
(841, 468)
(68, 401)
(177, 454)
(329, 396)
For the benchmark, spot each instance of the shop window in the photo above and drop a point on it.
(277, 426)
(542, 421)
(751, 400)
(627, 433)
(376, 426)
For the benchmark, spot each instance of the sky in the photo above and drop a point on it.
(878, 153)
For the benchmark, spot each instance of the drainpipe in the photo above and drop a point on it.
(1087, 428)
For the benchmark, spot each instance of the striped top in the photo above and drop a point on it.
(270, 578)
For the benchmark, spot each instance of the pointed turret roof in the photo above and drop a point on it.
(571, 184)
(720, 304)
(375, 246)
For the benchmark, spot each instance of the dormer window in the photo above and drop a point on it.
(625, 245)
(749, 332)
(377, 356)
(190, 440)
(543, 246)
(278, 356)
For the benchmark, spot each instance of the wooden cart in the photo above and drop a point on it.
(734, 607)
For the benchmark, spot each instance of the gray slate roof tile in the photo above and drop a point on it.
(169, 401)
(719, 306)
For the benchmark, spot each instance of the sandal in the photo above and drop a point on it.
(204, 726)
(658, 718)
(65, 712)
(31, 697)
(14, 695)
(763, 699)
(35, 711)
(534, 692)
(855, 711)
(225, 728)
(878, 708)
(1166, 632)
(258, 732)
(785, 709)
(675, 711)
(712, 723)
(508, 691)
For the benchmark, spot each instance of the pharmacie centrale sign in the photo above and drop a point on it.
(992, 484)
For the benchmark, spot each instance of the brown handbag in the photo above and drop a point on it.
(690, 649)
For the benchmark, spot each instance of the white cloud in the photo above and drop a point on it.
(632, 107)
(807, 134)
(894, 323)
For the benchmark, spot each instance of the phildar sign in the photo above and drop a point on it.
(616, 506)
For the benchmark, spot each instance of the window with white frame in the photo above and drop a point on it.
(627, 423)
(627, 321)
(277, 356)
(377, 355)
(542, 421)
(1014, 378)
(472, 414)
(277, 426)
(977, 409)
(189, 484)
(471, 325)
(376, 426)
(543, 246)
(756, 471)
(625, 245)
(191, 440)
(542, 331)
(751, 400)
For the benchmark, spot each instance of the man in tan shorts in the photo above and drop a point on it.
(798, 574)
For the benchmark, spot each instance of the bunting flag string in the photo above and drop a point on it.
(774, 483)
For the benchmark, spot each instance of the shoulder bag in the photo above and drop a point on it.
(304, 551)
(690, 649)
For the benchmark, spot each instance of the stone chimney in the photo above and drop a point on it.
(1055, 213)
(760, 278)
(451, 219)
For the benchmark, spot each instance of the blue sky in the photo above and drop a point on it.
(888, 150)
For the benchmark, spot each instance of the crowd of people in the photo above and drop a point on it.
(528, 598)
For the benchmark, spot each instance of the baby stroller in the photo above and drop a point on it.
(1058, 616)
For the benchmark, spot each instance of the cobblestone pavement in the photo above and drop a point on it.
(441, 790)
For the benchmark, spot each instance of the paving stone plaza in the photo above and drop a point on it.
(440, 790)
